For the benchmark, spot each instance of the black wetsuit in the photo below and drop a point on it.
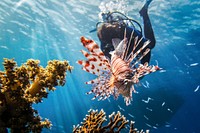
(118, 32)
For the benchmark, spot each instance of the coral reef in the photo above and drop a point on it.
(20, 87)
(95, 123)
(134, 130)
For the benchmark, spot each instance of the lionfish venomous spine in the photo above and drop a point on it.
(118, 75)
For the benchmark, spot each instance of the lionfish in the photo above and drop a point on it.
(119, 74)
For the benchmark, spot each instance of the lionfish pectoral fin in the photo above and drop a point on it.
(96, 62)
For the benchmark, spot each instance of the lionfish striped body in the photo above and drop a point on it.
(116, 76)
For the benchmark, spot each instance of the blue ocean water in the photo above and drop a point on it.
(167, 101)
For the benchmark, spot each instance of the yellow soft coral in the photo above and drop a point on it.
(22, 86)
(48, 77)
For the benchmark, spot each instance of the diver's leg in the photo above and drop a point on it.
(148, 30)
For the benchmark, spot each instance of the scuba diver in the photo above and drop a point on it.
(115, 24)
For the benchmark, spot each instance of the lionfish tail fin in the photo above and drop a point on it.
(127, 100)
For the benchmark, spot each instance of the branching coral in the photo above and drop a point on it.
(94, 123)
(134, 130)
(22, 86)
